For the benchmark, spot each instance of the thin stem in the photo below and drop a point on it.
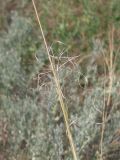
(58, 88)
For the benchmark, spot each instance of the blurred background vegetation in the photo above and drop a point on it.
(31, 122)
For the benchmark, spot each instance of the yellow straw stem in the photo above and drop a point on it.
(58, 88)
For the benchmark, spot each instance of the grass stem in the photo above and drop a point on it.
(58, 87)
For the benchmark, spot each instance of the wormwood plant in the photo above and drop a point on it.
(17, 54)
(31, 123)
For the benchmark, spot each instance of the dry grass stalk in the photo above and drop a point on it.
(58, 88)
(107, 103)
